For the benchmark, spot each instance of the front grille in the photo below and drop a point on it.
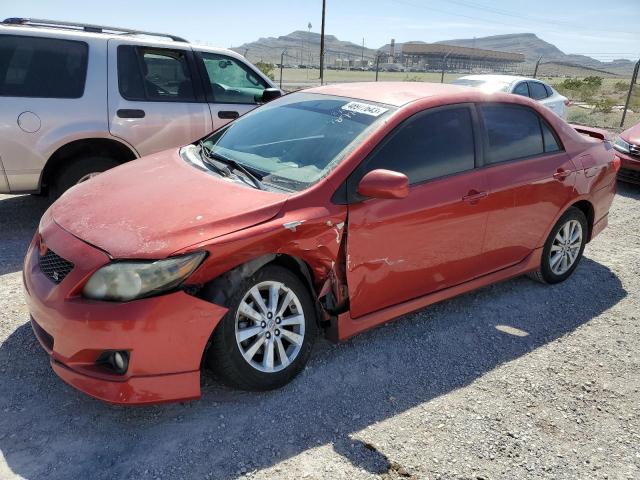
(54, 266)
(628, 175)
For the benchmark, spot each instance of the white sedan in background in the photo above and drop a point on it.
(528, 87)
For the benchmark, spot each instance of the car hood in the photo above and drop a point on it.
(632, 135)
(152, 207)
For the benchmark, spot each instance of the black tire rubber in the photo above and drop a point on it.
(544, 274)
(224, 356)
(74, 170)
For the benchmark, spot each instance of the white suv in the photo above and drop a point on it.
(76, 99)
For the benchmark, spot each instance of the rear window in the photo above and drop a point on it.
(154, 74)
(537, 90)
(512, 132)
(42, 67)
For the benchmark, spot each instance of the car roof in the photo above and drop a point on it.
(390, 93)
(498, 78)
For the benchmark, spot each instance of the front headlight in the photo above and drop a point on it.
(620, 145)
(127, 280)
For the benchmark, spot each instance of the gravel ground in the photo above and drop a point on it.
(517, 380)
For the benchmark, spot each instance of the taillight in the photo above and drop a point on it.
(616, 163)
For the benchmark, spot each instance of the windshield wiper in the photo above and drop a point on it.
(211, 155)
(205, 154)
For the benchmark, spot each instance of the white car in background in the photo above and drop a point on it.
(527, 87)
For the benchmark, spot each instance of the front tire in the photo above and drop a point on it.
(266, 337)
(564, 247)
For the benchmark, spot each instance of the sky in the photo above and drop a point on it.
(603, 30)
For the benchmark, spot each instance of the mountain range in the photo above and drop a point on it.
(307, 45)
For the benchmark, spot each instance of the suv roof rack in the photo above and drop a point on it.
(37, 22)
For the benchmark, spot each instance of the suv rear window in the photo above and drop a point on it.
(42, 67)
(154, 74)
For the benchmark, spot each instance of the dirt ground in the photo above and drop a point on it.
(516, 380)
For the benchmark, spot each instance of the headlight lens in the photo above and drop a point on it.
(620, 145)
(123, 281)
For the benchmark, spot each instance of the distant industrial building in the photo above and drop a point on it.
(432, 55)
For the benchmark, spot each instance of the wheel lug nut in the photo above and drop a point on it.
(277, 332)
(268, 335)
(263, 324)
(269, 315)
(278, 320)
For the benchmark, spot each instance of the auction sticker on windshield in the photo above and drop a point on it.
(366, 108)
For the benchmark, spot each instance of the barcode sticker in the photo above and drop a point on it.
(365, 108)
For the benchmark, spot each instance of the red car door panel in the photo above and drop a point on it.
(400, 249)
(523, 200)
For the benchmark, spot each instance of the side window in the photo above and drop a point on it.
(154, 74)
(42, 67)
(521, 89)
(231, 80)
(538, 92)
(550, 141)
(549, 91)
(429, 145)
(511, 132)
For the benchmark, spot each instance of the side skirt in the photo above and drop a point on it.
(348, 327)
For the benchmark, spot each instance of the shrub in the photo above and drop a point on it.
(593, 81)
(621, 86)
(267, 69)
(604, 105)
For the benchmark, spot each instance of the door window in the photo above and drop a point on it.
(154, 74)
(429, 145)
(521, 89)
(42, 67)
(538, 92)
(514, 132)
(231, 80)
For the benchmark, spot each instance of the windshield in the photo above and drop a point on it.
(486, 85)
(295, 141)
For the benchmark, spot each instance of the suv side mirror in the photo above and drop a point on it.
(270, 94)
(384, 184)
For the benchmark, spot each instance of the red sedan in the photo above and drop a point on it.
(330, 211)
(627, 146)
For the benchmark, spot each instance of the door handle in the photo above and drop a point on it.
(228, 114)
(130, 113)
(473, 196)
(561, 174)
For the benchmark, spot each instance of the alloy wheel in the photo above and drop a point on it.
(565, 248)
(270, 326)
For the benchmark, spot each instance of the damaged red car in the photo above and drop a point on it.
(328, 211)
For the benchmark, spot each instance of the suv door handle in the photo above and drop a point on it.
(561, 174)
(473, 196)
(130, 113)
(228, 114)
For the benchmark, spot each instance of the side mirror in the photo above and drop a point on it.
(384, 184)
(270, 94)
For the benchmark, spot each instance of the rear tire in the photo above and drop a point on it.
(263, 343)
(563, 248)
(78, 171)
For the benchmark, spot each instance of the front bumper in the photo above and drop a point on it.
(164, 335)
(629, 168)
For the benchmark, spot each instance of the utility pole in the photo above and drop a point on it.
(362, 55)
(324, 5)
(284, 52)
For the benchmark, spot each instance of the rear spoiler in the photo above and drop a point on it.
(593, 132)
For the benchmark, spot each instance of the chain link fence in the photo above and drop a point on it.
(598, 98)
